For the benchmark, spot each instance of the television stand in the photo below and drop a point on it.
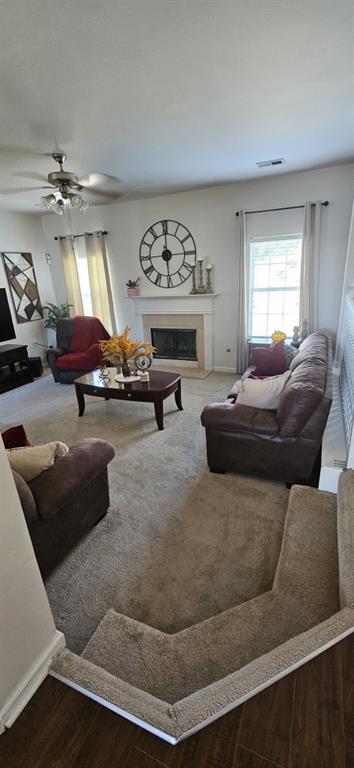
(12, 375)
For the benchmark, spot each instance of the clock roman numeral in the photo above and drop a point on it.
(187, 266)
(145, 258)
(158, 279)
(164, 227)
(149, 270)
(185, 238)
(169, 281)
(153, 233)
(189, 253)
(181, 275)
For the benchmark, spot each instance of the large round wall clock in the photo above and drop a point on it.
(167, 253)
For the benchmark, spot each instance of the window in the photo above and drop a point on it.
(83, 275)
(274, 285)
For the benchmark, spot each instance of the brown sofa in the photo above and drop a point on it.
(283, 444)
(63, 503)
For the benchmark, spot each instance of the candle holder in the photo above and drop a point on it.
(201, 286)
(209, 288)
(194, 288)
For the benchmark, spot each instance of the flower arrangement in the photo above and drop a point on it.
(278, 336)
(120, 349)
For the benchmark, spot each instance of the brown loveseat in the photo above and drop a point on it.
(282, 444)
(63, 503)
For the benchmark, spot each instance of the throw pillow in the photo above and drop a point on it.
(290, 353)
(262, 393)
(269, 361)
(31, 462)
(15, 437)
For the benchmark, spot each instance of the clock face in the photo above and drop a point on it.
(167, 253)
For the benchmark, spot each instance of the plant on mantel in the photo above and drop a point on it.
(133, 287)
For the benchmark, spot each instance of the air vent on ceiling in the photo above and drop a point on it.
(267, 163)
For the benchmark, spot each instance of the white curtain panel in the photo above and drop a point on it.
(100, 284)
(242, 299)
(310, 265)
(66, 247)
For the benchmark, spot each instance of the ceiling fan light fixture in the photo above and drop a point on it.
(83, 207)
(58, 207)
(75, 199)
(48, 201)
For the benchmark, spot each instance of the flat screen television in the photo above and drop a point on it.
(7, 330)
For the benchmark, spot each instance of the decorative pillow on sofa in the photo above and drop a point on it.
(31, 462)
(262, 393)
(15, 437)
(269, 361)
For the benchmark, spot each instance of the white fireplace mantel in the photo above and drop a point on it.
(201, 304)
(198, 303)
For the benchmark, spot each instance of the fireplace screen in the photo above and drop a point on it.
(175, 343)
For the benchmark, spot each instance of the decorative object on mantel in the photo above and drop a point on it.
(167, 253)
(23, 286)
(118, 350)
(194, 280)
(133, 287)
(209, 288)
(201, 287)
(56, 312)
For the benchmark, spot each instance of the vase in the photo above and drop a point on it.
(125, 369)
(133, 291)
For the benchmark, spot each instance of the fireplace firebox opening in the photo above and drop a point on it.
(175, 343)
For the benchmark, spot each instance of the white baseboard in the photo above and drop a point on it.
(30, 682)
(222, 369)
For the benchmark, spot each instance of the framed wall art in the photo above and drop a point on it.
(23, 286)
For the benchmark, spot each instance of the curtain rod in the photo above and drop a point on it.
(286, 208)
(84, 234)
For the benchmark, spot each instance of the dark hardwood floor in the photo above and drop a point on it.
(305, 720)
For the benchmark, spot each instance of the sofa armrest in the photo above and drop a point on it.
(54, 352)
(231, 417)
(69, 474)
(26, 498)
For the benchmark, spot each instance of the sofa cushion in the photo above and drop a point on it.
(86, 361)
(269, 361)
(314, 348)
(262, 393)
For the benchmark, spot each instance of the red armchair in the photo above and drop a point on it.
(77, 350)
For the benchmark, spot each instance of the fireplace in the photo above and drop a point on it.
(175, 343)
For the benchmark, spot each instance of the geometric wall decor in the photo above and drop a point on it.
(23, 286)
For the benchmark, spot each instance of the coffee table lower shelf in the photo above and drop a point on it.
(162, 384)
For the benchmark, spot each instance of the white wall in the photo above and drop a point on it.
(28, 638)
(209, 215)
(23, 232)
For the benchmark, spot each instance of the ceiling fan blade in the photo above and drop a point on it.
(30, 175)
(16, 150)
(17, 190)
(105, 195)
(99, 180)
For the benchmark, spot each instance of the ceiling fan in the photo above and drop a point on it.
(67, 186)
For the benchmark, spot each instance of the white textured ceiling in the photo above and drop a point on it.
(172, 94)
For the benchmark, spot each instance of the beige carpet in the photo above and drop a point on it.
(197, 589)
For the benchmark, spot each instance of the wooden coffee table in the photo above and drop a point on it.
(161, 385)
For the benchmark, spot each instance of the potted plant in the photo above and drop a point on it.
(56, 312)
(133, 287)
